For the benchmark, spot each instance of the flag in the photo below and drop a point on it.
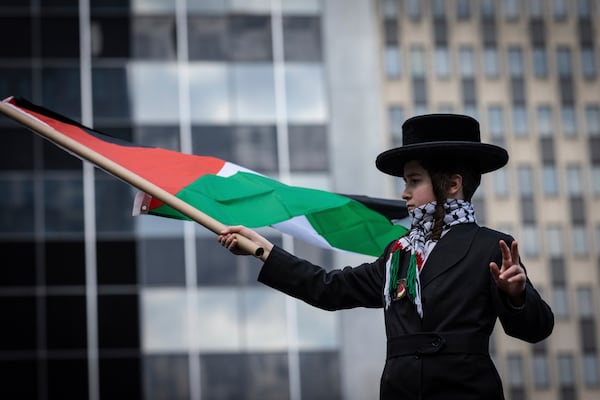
(224, 191)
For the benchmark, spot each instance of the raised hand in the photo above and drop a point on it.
(510, 277)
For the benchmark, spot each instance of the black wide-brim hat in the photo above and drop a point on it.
(442, 137)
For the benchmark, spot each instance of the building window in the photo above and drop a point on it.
(540, 62)
(466, 62)
(591, 370)
(592, 120)
(544, 120)
(595, 172)
(442, 62)
(560, 304)
(463, 10)
(417, 62)
(491, 63)
(389, 8)
(515, 61)
(520, 121)
(574, 181)
(536, 8)
(541, 371)
(496, 123)
(554, 241)
(563, 62)
(395, 121)
(500, 183)
(488, 8)
(589, 68)
(585, 303)
(414, 9)
(568, 121)
(530, 241)
(559, 10)
(392, 62)
(549, 180)
(579, 240)
(512, 9)
(515, 370)
(584, 8)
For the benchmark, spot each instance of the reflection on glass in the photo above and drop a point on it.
(154, 37)
(166, 376)
(113, 204)
(61, 91)
(161, 261)
(165, 321)
(265, 319)
(209, 93)
(63, 204)
(317, 329)
(217, 320)
(16, 205)
(254, 91)
(255, 147)
(153, 6)
(305, 93)
(110, 93)
(154, 93)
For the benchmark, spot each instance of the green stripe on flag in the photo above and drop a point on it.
(257, 201)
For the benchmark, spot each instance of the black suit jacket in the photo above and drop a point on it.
(460, 300)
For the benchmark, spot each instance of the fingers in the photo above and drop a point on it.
(514, 250)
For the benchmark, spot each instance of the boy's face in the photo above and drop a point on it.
(418, 189)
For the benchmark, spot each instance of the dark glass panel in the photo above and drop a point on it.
(19, 45)
(16, 152)
(320, 375)
(118, 322)
(120, 378)
(19, 323)
(67, 379)
(19, 379)
(64, 262)
(66, 326)
(60, 37)
(61, 91)
(308, 148)
(166, 377)
(302, 38)
(154, 38)
(15, 82)
(20, 270)
(117, 262)
(161, 261)
(114, 200)
(208, 37)
(110, 93)
(111, 37)
(16, 205)
(250, 38)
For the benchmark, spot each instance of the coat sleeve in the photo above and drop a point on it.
(338, 289)
(531, 322)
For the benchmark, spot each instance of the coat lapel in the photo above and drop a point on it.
(450, 249)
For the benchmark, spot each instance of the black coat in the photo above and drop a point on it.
(444, 355)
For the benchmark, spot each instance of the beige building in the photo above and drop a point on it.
(528, 71)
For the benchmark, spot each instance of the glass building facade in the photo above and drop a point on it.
(98, 304)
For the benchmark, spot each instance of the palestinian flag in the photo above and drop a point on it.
(227, 192)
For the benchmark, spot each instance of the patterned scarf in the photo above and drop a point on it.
(457, 212)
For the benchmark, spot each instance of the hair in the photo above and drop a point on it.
(440, 171)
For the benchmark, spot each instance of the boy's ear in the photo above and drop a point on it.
(455, 187)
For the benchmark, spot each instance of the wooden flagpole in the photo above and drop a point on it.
(124, 174)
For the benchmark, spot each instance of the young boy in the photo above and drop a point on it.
(443, 285)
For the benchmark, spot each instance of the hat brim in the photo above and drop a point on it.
(482, 156)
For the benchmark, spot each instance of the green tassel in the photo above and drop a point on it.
(411, 276)
(394, 268)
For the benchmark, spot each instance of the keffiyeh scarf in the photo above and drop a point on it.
(415, 242)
